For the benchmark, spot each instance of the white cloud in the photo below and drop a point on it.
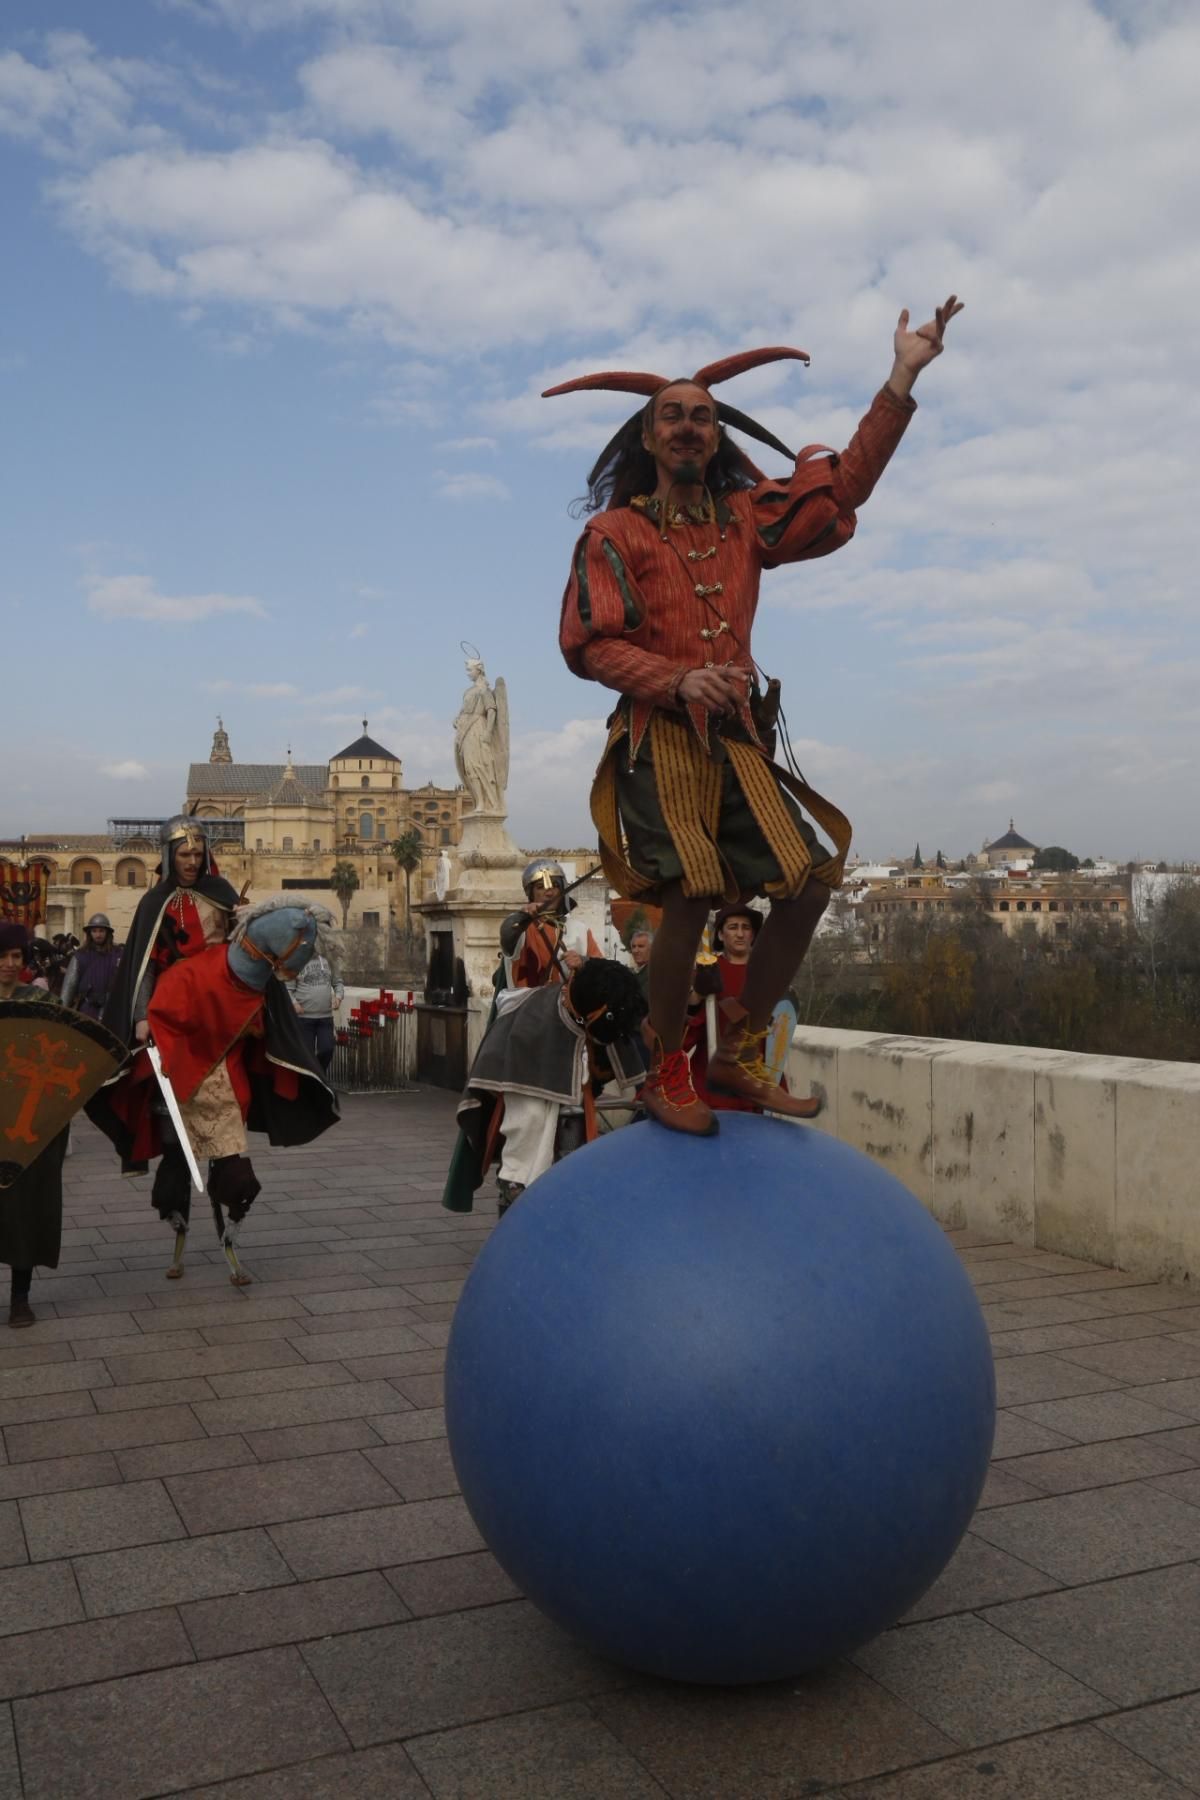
(136, 597)
(359, 631)
(468, 484)
(271, 690)
(467, 443)
(125, 771)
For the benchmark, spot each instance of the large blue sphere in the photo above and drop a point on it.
(721, 1407)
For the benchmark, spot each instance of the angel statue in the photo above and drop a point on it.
(481, 740)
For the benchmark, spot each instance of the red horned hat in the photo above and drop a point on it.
(629, 381)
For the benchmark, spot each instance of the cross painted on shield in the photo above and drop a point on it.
(42, 1071)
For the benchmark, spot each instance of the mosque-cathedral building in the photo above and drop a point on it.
(273, 826)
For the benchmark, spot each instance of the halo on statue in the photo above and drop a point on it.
(468, 649)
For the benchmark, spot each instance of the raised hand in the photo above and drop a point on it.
(915, 349)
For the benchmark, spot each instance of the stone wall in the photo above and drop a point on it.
(1092, 1156)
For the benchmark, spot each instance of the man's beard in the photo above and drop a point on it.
(689, 474)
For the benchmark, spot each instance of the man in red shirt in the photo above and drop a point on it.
(690, 808)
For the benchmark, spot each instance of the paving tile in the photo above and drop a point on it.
(1020, 1379)
(293, 1378)
(1158, 1298)
(32, 1596)
(1139, 1361)
(560, 1753)
(169, 1342)
(116, 1431)
(973, 1682)
(84, 1520)
(384, 1773)
(300, 1488)
(1015, 1315)
(311, 1440)
(978, 1574)
(380, 1340)
(152, 1461)
(1021, 1437)
(23, 1355)
(10, 1767)
(263, 1412)
(239, 1310)
(12, 1538)
(425, 1361)
(1184, 1486)
(1091, 1418)
(452, 1583)
(784, 1740)
(417, 1471)
(45, 1406)
(229, 1717)
(1076, 1764)
(253, 1331)
(1184, 1442)
(1181, 1397)
(233, 1562)
(1096, 1535)
(460, 1668)
(57, 1474)
(353, 1300)
(211, 1359)
(74, 1330)
(422, 1391)
(1167, 1735)
(71, 1655)
(1093, 1465)
(377, 1538)
(411, 1427)
(1133, 1640)
(151, 1393)
(52, 1378)
(1001, 1488)
(285, 1615)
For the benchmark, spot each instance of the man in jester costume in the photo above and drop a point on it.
(691, 809)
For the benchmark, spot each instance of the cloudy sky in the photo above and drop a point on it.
(285, 277)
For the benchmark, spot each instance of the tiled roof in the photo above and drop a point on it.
(252, 778)
(364, 746)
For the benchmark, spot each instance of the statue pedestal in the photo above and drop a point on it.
(463, 924)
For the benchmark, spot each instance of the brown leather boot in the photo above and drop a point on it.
(20, 1313)
(668, 1094)
(738, 1068)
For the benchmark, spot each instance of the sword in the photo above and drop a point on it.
(176, 1117)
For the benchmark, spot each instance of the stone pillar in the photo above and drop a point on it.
(485, 886)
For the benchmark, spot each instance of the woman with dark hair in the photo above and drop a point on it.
(31, 1207)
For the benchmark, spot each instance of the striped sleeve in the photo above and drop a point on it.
(601, 607)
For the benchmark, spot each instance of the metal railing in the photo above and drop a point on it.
(372, 1052)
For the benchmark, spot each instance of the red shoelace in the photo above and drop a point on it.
(673, 1079)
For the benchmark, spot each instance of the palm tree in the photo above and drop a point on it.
(407, 851)
(343, 879)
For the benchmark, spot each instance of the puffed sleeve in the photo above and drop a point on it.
(815, 512)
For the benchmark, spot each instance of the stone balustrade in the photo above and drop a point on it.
(1095, 1157)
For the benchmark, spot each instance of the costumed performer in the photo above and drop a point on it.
(734, 931)
(233, 1055)
(31, 1208)
(531, 1094)
(92, 969)
(540, 942)
(190, 907)
(690, 808)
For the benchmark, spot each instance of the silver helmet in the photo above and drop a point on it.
(542, 873)
(99, 922)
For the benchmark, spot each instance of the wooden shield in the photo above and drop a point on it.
(779, 1039)
(52, 1060)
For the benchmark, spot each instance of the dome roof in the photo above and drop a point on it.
(1012, 840)
(364, 746)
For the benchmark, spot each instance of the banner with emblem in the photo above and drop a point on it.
(52, 1060)
(24, 888)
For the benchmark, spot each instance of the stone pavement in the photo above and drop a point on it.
(233, 1560)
